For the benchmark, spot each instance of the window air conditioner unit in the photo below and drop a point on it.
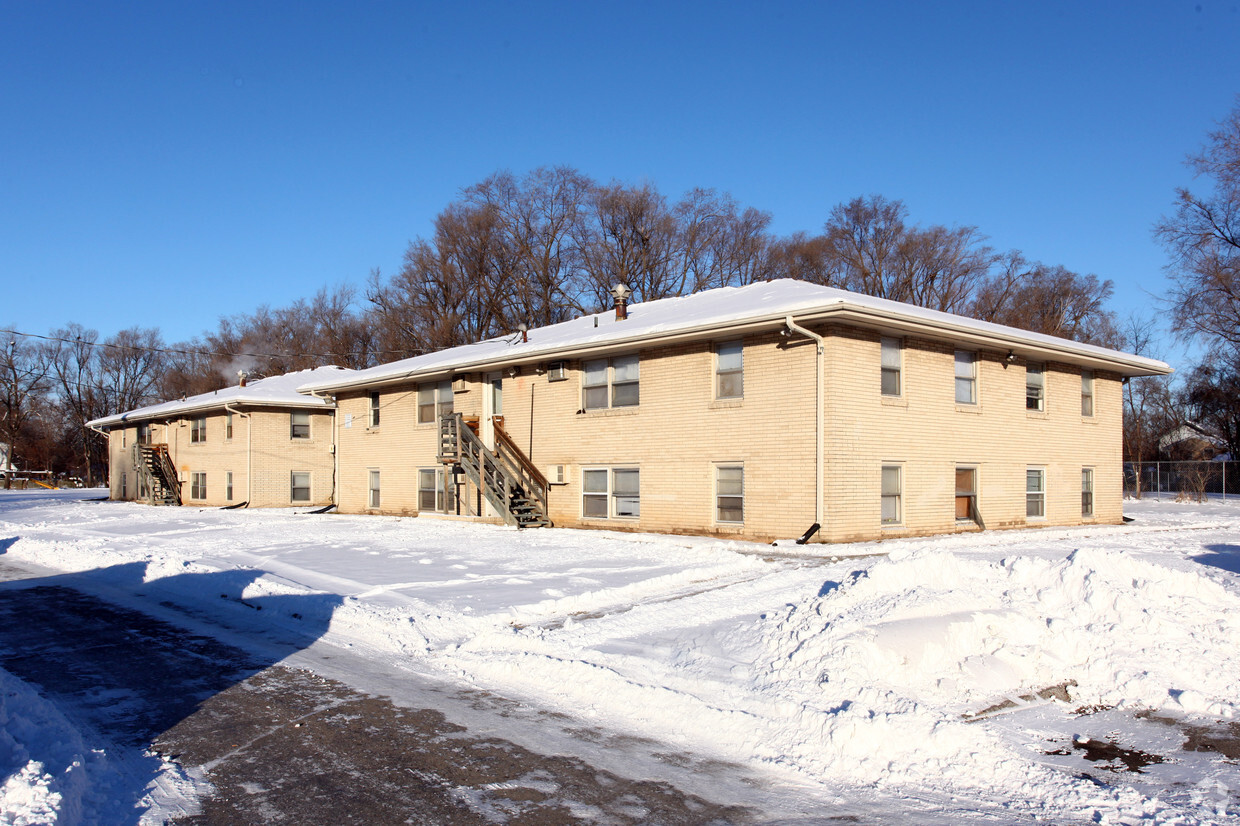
(557, 371)
(460, 384)
(555, 474)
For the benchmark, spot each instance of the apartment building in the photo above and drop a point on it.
(256, 444)
(776, 410)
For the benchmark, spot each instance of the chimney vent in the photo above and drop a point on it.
(621, 294)
(241, 375)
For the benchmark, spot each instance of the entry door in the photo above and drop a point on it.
(492, 407)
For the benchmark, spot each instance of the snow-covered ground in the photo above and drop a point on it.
(905, 671)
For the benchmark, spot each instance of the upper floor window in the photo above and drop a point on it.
(198, 429)
(228, 422)
(434, 400)
(374, 409)
(892, 364)
(610, 383)
(1087, 392)
(729, 370)
(299, 424)
(966, 377)
(1035, 387)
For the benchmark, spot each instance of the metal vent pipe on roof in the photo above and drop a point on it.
(621, 294)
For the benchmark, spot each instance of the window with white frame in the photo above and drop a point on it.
(1035, 493)
(372, 489)
(228, 490)
(124, 486)
(430, 489)
(893, 495)
(610, 383)
(1087, 392)
(228, 423)
(966, 377)
(729, 370)
(730, 493)
(610, 493)
(1087, 491)
(299, 424)
(300, 488)
(374, 409)
(966, 494)
(892, 358)
(1035, 387)
(144, 434)
(434, 400)
(198, 429)
(198, 486)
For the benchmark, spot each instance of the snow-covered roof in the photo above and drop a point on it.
(275, 391)
(731, 310)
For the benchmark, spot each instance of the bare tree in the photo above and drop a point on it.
(1203, 239)
(23, 384)
(1050, 300)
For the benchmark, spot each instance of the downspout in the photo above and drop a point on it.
(331, 400)
(249, 453)
(819, 458)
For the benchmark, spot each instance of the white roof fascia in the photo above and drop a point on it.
(180, 411)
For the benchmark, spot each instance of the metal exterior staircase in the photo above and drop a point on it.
(157, 476)
(505, 476)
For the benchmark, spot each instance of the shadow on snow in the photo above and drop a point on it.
(1221, 555)
(123, 677)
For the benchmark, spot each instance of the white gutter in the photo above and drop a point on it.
(819, 457)
(330, 402)
(249, 453)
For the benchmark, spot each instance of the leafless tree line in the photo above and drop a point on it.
(534, 250)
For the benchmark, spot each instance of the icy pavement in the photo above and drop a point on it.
(912, 678)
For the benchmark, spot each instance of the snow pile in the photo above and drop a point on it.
(879, 673)
(43, 758)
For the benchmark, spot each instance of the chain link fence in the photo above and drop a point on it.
(1181, 480)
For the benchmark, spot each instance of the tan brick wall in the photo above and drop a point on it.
(679, 433)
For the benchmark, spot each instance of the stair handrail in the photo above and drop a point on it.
(171, 483)
(531, 478)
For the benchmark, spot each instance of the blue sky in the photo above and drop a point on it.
(163, 164)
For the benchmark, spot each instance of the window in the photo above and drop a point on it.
(198, 486)
(374, 409)
(966, 377)
(730, 493)
(228, 486)
(1087, 491)
(611, 493)
(614, 380)
(124, 486)
(300, 424)
(198, 429)
(301, 486)
(1087, 392)
(124, 437)
(892, 494)
(1035, 493)
(228, 424)
(434, 400)
(1035, 387)
(729, 370)
(372, 487)
(966, 494)
(430, 489)
(144, 434)
(892, 358)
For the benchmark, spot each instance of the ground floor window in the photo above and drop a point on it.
(611, 492)
(966, 494)
(198, 486)
(1035, 493)
(893, 494)
(228, 486)
(372, 498)
(124, 487)
(433, 494)
(300, 486)
(1087, 491)
(730, 493)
